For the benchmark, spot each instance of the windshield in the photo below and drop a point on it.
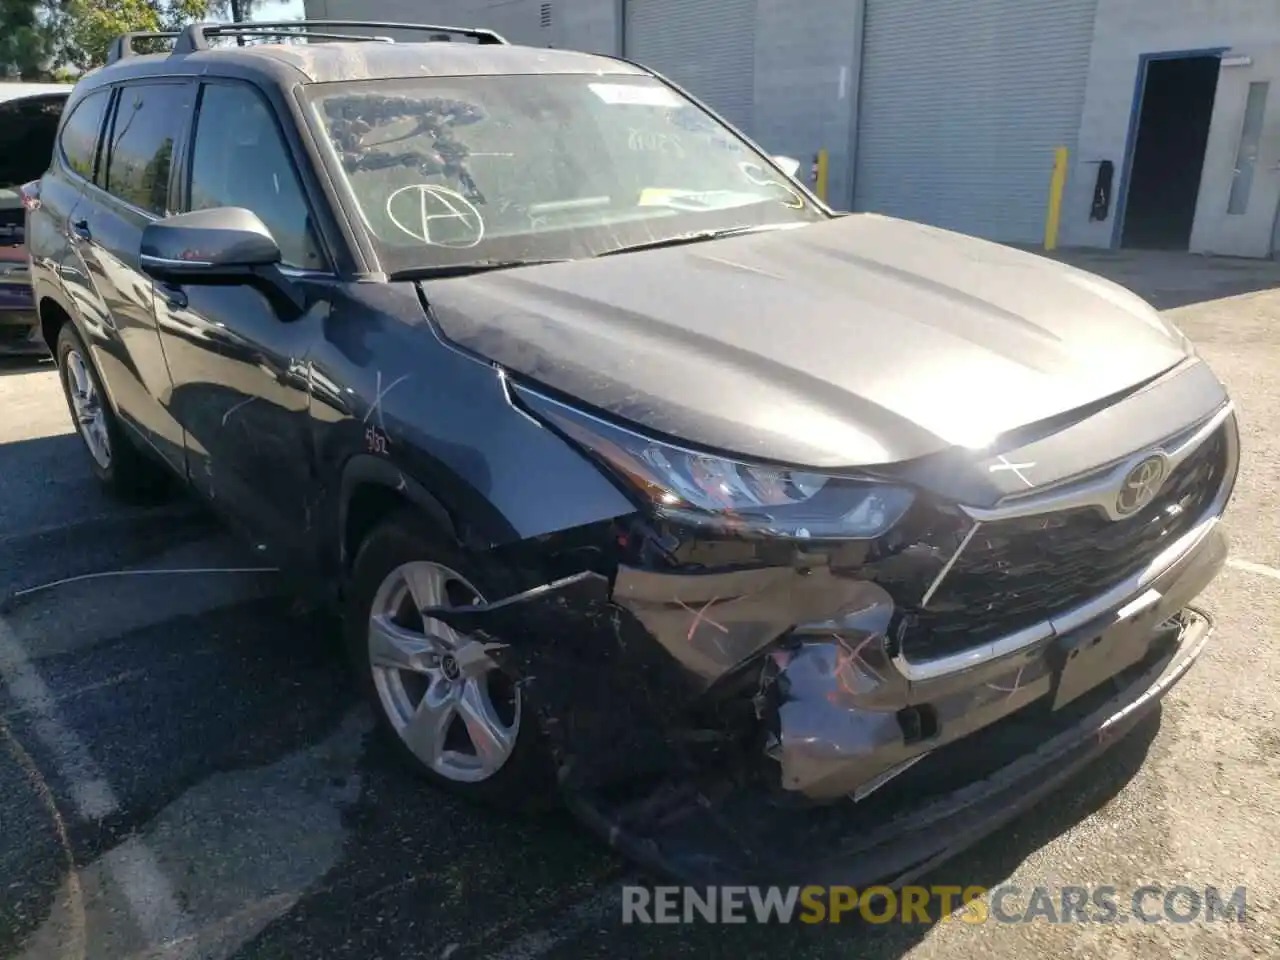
(460, 170)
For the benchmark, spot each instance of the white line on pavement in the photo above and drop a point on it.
(90, 790)
(1261, 569)
(132, 865)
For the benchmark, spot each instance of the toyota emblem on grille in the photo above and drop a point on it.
(1141, 484)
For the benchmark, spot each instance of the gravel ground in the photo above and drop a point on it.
(182, 761)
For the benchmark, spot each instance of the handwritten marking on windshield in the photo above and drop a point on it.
(646, 141)
(427, 203)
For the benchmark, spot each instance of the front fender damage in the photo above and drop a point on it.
(659, 674)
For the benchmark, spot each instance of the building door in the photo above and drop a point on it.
(1240, 187)
(962, 105)
(1175, 103)
(705, 46)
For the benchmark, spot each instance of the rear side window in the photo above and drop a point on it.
(148, 120)
(239, 159)
(80, 133)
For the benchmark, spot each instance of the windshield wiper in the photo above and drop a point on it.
(446, 270)
(697, 236)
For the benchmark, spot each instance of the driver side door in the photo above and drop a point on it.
(239, 367)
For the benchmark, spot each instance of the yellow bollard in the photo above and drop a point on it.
(1057, 184)
(820, 177)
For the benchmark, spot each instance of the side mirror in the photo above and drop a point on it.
(790, 165)
(224, 244)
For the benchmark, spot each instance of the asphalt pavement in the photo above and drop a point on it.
(185, 770)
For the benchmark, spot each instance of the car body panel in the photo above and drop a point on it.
(384, 386)
(239, 391)
(750, 344)
(21, 91)
(686, 674)
(128, 351)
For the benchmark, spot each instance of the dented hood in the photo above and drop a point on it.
(856, 341)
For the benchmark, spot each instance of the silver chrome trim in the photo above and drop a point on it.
(147, 260)
(1099, 491)
(937, 581)
(1082, 614)
(293, 273)
(1064, 623)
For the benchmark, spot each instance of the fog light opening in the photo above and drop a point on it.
(918, 723)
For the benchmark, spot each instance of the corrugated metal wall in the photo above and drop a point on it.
(961, 106)
(705, 46)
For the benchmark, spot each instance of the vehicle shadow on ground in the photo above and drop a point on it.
(425, 874)
(988, 865)
(1168, 280)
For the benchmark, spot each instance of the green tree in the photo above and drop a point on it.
(38, 37)
(87, 27)
(28, 39)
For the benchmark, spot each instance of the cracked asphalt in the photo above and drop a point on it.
(185, 771)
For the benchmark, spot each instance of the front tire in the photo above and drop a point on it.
(450, 714)
(119, 464)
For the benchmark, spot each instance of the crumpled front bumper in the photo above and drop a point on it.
(875, 775)
(709, 836)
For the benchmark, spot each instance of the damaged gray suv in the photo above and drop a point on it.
(779, 544)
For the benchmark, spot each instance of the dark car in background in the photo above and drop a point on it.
(29, 114)
(781, 544)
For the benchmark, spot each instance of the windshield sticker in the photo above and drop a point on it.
(645, 141)
(420, 208)
(647, 95)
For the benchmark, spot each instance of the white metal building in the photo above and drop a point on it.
(949, 111)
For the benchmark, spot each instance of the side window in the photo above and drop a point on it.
(149, 117)
(239, 159)
(80, 133)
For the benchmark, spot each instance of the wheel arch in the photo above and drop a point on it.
(53, 317)
(373, 489)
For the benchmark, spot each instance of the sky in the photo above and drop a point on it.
(278, 10)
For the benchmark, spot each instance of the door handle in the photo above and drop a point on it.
(173, 296)
(81, 229)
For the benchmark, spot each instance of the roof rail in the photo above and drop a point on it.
(122, 46)
(197, 36)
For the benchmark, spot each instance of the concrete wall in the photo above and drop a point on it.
(518, 20)
(1123, 31)
(806, 85)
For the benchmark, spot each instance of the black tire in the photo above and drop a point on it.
(129, 473)
(525, 782)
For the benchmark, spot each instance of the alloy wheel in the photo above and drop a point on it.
(87, 408)
(457, 713)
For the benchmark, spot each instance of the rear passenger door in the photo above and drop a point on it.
(238, 366)
(130, 189)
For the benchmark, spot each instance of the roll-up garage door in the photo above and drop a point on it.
(705, 46)
(962, 104)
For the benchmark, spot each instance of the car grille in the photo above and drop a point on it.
(1018, 572)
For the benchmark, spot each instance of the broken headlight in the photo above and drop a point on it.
(750, 498)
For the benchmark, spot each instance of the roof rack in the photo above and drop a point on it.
(197, 36)
(122, 46)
